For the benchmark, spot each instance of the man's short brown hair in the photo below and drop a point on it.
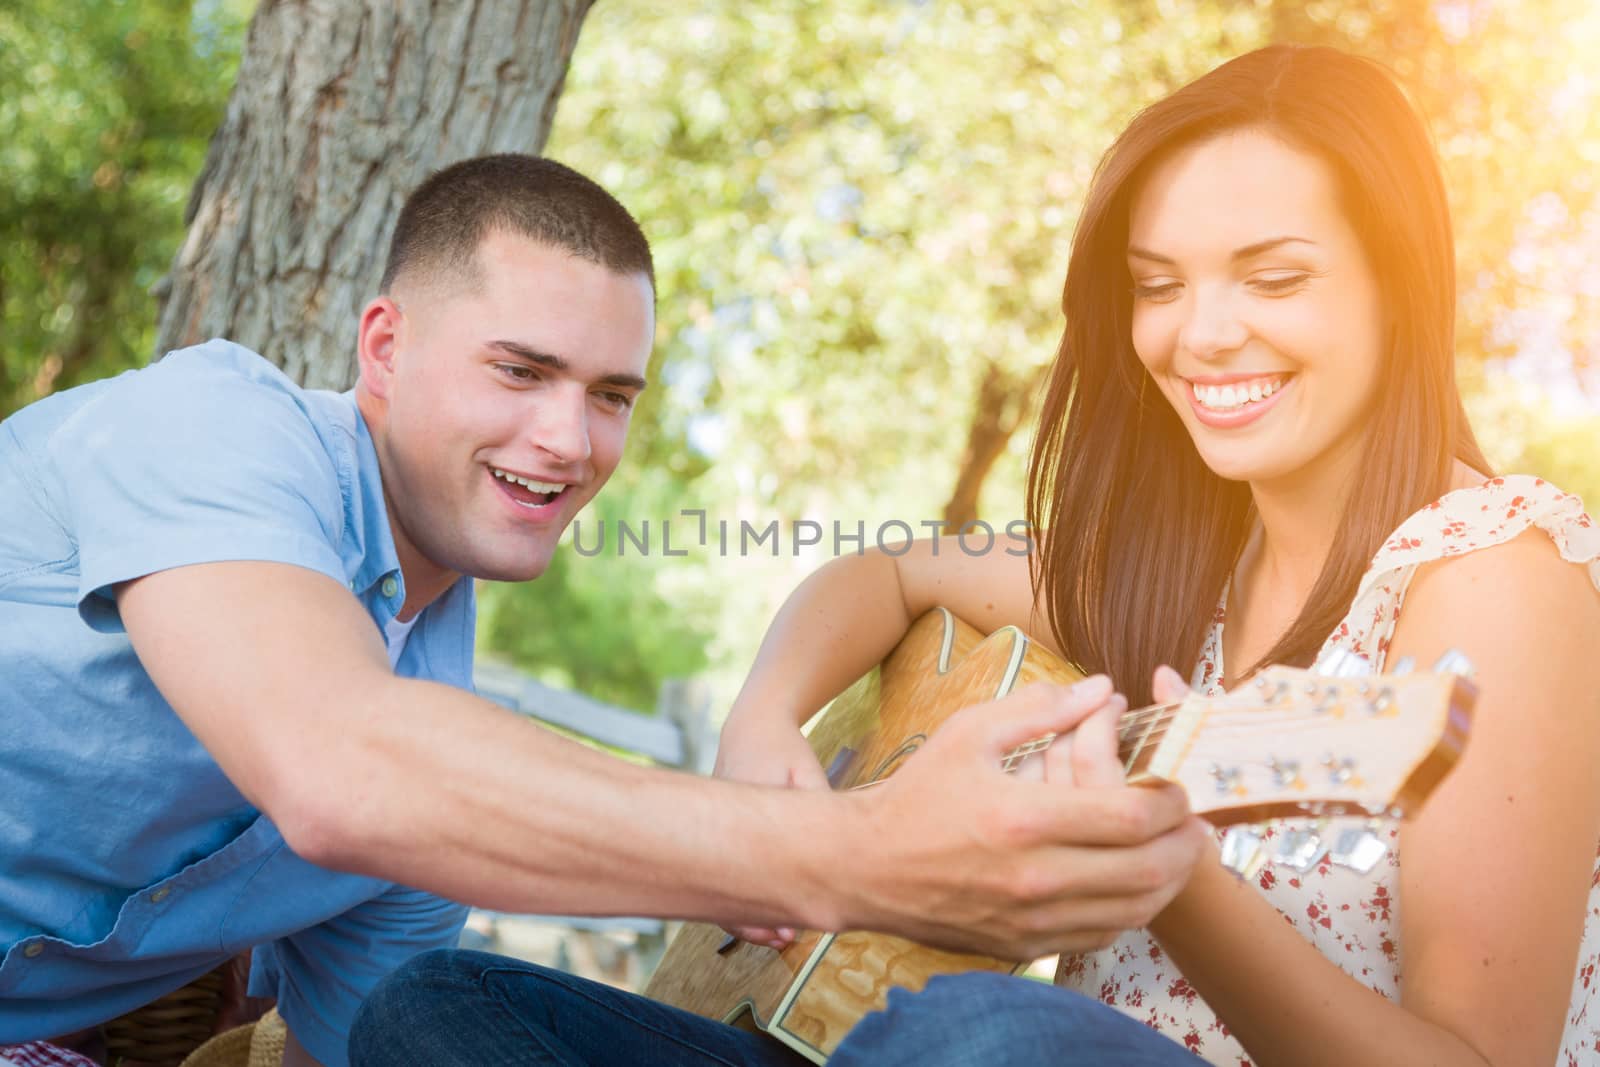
(448, 216)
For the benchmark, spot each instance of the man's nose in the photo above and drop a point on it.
(561, 426)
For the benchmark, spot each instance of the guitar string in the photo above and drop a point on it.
(1149, 717)
(1159, 717)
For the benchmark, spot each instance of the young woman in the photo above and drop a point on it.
(1252, 452)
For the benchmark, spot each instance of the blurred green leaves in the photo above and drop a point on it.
(105, 111)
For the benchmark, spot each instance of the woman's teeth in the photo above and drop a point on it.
(1236, 395)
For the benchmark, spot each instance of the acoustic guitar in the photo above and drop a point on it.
(1287, 744)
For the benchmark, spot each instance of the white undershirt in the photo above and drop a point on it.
(395, 633)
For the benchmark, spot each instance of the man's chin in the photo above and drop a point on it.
(524, 568)
(523, 572)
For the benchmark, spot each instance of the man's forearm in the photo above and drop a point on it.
(435, 788)
(429, 786)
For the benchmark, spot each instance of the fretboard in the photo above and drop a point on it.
(1139, 731)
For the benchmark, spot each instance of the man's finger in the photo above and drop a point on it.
(1093, 753)
(1117, 815)
(1057, 763)
(1154, 870)
(1036, 710)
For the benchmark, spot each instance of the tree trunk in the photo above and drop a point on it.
(341, 109)
(1004, 400)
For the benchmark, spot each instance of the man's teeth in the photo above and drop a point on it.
(528, 483)
(1235, 396)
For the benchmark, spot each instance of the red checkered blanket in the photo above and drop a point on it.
(42, 1054)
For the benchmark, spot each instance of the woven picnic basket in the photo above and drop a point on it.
(180, 1030)
(166, 1030)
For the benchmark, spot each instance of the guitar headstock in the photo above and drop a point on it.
(1293, 743)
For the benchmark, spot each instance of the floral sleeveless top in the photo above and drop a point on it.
(1355, 918)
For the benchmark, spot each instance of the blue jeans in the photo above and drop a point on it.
(472, 1009)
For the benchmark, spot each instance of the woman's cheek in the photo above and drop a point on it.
(1147, 334)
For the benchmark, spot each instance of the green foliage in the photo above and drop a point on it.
(106, 109)
(1523, 431)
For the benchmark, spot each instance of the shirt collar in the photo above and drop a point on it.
(369, 515)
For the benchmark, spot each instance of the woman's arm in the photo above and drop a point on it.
(1495, 871)
(843, 620)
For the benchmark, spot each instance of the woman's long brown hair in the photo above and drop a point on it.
(1140, 536)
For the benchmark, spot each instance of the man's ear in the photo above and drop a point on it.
(376, 342)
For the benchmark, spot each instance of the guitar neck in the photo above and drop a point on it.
(1139, 732)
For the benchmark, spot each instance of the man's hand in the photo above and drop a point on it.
(954, 852)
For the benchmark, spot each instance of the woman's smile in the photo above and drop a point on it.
(1237, 401)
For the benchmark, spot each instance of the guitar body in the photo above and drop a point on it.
(1289, 744)
(809, 995)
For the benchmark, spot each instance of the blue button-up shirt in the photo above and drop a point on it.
(129, 864)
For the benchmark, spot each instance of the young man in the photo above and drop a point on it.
(236, 624)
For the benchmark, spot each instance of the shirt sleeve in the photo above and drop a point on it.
(209, 455)
(320, 975)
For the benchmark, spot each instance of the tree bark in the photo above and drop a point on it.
(1004, 400)
(340, 109)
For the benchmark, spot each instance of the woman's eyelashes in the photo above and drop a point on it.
(1277, 283)
(1156, 292)
(1282, 283)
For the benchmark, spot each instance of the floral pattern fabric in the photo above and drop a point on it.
(1354, 919)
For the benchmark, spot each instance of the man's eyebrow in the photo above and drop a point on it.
(557, 363)
(1135, 252)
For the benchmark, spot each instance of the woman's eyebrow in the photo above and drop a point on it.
(1266, 246)
(1135, 252)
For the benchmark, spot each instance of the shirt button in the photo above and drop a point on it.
(161, 894)
(390, 587)
(33, 950)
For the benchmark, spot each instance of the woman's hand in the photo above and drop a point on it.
(766, 750)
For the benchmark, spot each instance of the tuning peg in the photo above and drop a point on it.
(1242, 852)
(1272, 692)
(1285, 773)
(1454, 661)
(1358, 849)
(1299, 850)
(1404, 665)
(1340, 771)
(1343, 663)
(1227, 778)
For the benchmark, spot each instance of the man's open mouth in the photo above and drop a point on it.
(529, 492)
